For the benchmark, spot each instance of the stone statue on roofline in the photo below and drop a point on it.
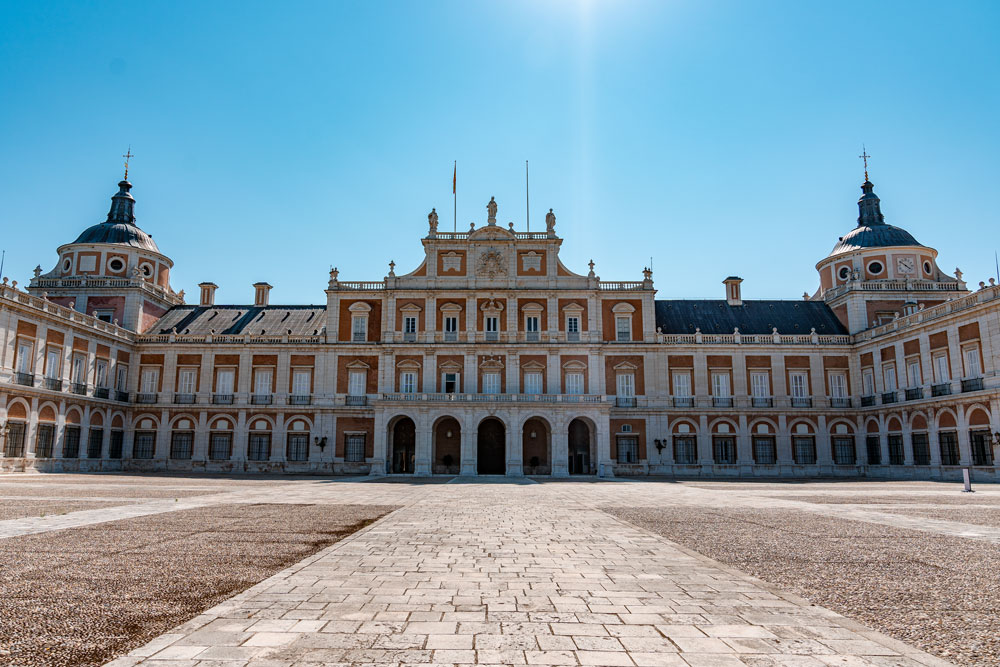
(432, 221)
(550, 222)
(491, 212)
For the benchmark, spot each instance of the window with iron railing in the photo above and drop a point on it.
(844, 453)
(628, 449)
(181, 445)
(685, 449)
(44, 439)
(982, 448)
(297, 447)
(724, 449)
(144, 445)
(95, 443)
(921, 449)
(804, 449)
(14, 445)
(948, 442)
(115, 445)
(259, 447)
(765, 451)
(71, 442)
(873, 447)
(220, 446)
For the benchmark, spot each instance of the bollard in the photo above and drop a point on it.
(967, 480)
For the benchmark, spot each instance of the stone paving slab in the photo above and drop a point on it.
(515, 574)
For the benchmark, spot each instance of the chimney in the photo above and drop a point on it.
(207, 294)
(732, 284)
(261, 291)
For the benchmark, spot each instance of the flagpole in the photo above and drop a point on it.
(527, 198)
(454, 192)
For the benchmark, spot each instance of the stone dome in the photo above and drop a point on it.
(872, 232)
(120, 227)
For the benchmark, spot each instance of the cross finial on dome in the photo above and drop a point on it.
(128, 156)
(864, 156)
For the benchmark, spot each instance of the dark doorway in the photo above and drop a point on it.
(404, 446)
(579, 448)
(492, 448)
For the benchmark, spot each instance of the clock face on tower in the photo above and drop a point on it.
(905, 265)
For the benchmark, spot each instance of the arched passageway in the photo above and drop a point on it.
(491, 447)
(447, 446)
(404, 446)
(536, 447)
(580, 459)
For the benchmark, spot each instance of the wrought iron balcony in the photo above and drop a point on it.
(410, 337)
(943, 389)
(890, 397)
(222, 399)
(184, 399)
(261, 399)
(53, 384)
(27, 379)
(972, 384)
(79, 388)
(299, 399)
(867, 401)
(356, 400)
(451, 336)
(683, 402)
(491, 336)
(531, 336)
(802, 402)
(121, 396)
(572, 336)
(914, 394)
(102, 392)
(625, 401)
(722, 401)
(761, 401)
(146, 398)
(842, 402)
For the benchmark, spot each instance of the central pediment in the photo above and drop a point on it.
(491, 233)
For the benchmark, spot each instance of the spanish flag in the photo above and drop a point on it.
(454, 178)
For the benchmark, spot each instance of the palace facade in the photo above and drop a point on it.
(493, 357)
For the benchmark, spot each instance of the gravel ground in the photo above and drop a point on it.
(941, 594)
(86, 595)
(927, 499)
(982, 516)
(20, 508)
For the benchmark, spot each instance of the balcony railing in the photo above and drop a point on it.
(487, 398)
(867, 401)
(762, 402)
(722, 401)
(53, 384)
(841, 402)
(184, 399)
(890, 397)
(261, 399)
(942, 389)
(299, 399)
(451, 336)
(410, 337)
(802, 402)
(914, 394)
(359, 337)
(972, 384)
(222, 399)
(102, 392)
(356, 400)
(146, 398)
(572, 336)
(532, 336)
(27, 379)
(683, 402)
(491, 336)
(625, 401)
(79, 388)
(121, 396)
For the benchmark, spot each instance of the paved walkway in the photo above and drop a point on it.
(514, 574)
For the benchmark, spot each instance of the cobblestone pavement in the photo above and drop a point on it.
(476, 573)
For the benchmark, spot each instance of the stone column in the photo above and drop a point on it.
(31, 429)
(380, 446)
(704, 445)
(514, 447)
(424, 447)
(279, 439)
(469, 443)
(606, 466)
(824, 451)
(471, 376)
(560, 447)
(199, 452)
(783, 446)
(964, 446)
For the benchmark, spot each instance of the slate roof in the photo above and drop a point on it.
(874, 236)
(119, 233)
(716, 316)
(235, 320)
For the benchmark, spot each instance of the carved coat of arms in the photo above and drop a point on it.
(491, 264)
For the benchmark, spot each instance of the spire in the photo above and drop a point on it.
(122, 205)
(869, 207)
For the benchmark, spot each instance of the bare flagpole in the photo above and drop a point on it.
(527, 198)
(454, 193)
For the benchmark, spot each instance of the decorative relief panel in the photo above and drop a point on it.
(491, 264)
(531, 261)
(451, 261)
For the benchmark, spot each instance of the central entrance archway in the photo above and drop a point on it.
(579, 447)
(492, 449)
(404, 446)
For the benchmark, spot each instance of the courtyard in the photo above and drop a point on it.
(186, 570)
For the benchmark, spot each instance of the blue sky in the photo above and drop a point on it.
(274, 140)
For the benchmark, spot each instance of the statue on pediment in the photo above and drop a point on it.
(550, 222)
(432, 222)
(491, 211)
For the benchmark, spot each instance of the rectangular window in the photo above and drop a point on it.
(982, 449)
(301, 380)
(43, 441)
(724, 450)
(873, 445)
(533, 383)
(838, 385)
(262, 381)
(628, 449)
(356, 385)
(798, 384)
(449, 383)
(804, 449)
(354, 447)
(896, 456)
(685, 449)
(720, 385)
(623, 328)
(150, 380)
(220, 447)
(531, 323)
(972, 367)
(913, 374)
(121, 377)
(949, 448)
(52, 363)
(14, 446)
(224, 381)
(410, 325)
(451, 324)
(71, 442)
(682, 385)
(101, 373)
(408, 382)
(868, 380)
(181, 445)
(144, 446)
(574, 383)
(79, 372)
(941, 373)
(116, 444)
(186, 380)
(573, 328)
(626, 385)
(104, 315)
(921, 449)
(765, 451)
(760, 385)
(24, 361)
(259, 447)
(890, 378)
(298, 447)
(359, 328)
(843, 451)
(491, 383)
(95, 443)
(492, 324)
